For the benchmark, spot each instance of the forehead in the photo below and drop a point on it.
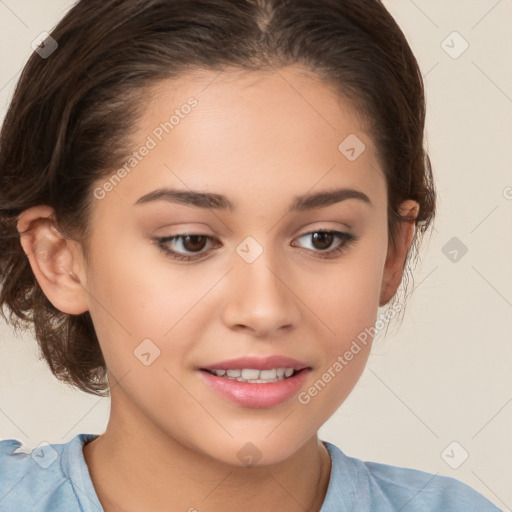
(283, 105)
(264, 97)
(251, 133)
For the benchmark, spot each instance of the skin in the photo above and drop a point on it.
(260, 139)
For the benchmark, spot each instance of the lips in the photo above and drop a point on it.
(253, 375)
(258, 363)
(256, 382)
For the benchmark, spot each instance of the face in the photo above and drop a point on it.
(281, 269)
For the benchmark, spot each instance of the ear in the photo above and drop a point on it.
(395, 259)
(55, 260)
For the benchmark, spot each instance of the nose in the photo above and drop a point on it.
(260, 298)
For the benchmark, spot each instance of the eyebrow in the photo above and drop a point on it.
(219, 202)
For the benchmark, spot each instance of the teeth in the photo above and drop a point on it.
(269, 374)
(250, 374)
(255, 376)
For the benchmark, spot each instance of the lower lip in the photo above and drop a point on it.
(258, 395)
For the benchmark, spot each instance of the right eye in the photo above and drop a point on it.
(184, 247)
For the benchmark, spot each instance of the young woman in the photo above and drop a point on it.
(203, 205)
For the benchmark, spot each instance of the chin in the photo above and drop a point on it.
(258, 452)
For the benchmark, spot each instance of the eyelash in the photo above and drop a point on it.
(347, 240)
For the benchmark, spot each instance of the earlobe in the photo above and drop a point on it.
(53, 260)
(395, 259)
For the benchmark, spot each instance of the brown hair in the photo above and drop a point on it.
(69, 120)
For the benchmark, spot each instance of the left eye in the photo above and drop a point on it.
(187, 247)
(323, 240)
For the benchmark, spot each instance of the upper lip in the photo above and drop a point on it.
(257, 363)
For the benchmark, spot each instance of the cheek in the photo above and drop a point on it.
(347, 297)
(129, 285)
(135, 296)
(348, 306)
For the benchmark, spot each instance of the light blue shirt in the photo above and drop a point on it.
(56, 478)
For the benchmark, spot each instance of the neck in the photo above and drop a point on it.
(136, 466)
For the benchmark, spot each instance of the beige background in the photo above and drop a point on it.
(445, 375)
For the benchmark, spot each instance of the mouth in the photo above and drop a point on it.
(255, 376)
(256, 382)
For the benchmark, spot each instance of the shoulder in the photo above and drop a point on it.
(382, 487)
(40, 479)
(427, 491)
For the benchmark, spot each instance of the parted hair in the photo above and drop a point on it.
(68, 123)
